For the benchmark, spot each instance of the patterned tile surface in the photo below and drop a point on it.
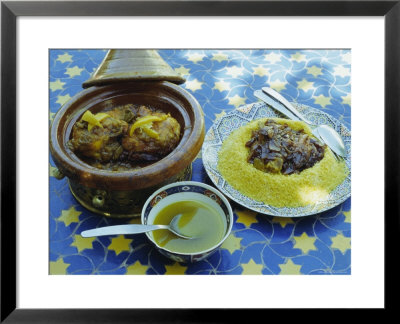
(221, 80)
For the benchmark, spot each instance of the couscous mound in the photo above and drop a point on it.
(278, 190)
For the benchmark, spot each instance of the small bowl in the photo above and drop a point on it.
(187, 190)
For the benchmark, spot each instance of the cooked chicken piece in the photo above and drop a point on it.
(162, 138)
(100, 143)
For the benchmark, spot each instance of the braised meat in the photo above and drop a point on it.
(162, 139)
(100, 143)
(125, 137)
(276, 148)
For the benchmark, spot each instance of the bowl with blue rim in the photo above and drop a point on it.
(205, 215)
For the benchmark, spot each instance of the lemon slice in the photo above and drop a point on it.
(146, 120)
(101, 116)
(151, 132)
(94, 120)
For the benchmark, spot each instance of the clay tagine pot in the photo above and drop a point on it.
(123, 193)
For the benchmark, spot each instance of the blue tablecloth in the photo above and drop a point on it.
(221, 80)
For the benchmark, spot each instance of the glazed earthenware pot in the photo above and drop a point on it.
(123, 193)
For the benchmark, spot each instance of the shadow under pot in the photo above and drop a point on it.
(123, 193)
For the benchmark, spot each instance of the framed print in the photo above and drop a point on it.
(200, 67)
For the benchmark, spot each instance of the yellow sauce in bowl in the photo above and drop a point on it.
(199, 220)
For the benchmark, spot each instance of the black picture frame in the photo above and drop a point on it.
(10, 10)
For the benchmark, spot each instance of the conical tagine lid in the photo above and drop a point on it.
(124, 65)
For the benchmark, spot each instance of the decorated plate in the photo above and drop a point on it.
(233, 120)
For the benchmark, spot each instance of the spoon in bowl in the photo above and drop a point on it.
(326, 133)
(135, 229)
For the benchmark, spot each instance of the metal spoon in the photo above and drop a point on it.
(135, 229)
(326, 133)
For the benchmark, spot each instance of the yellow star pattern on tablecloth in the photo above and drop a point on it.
(219, 57)
(120, 244)
(53, 171)
(82, 243)
(289, 268)
(69, 216)
(278, 85)
(63, 99)
(193, 85)
(175, 269)
(136, 268)
(322, 100)
(305, 85)
(51, 116)
(314, 70)
(234, 71)
(298, 57)
(273, 57)
(222, 85)
(182, 70)
(237, 100)
(346, 100)
(195, 57)
(304, 243)
(76, 70)
(232, 243)
(58, 267)
(347, 216)
(56, 85)
(283, 221)
(261, 71)
(246, 217)
(64, 58)
(341, 242)
(252, 268)
(219, 115)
